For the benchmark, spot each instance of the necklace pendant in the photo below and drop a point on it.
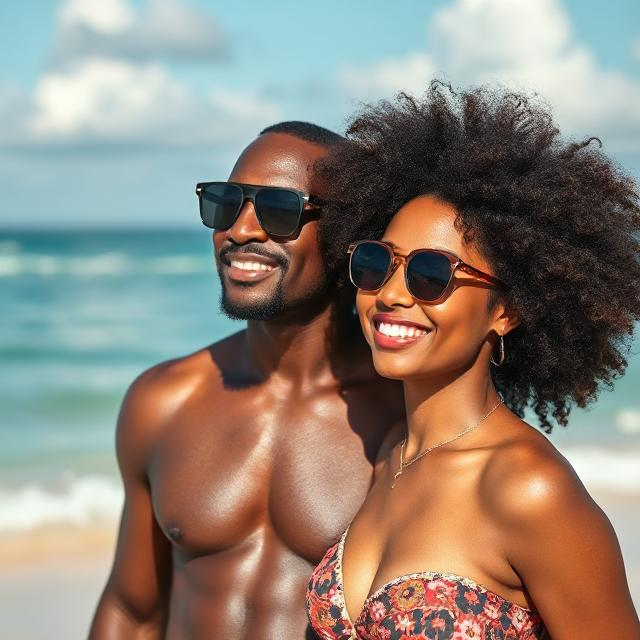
(395, 477)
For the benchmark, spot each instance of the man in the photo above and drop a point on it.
(243, 462)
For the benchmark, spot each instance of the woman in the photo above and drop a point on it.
(507, 278)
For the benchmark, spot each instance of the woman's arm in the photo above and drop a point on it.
(564, 549)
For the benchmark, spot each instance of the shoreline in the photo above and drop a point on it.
(30, 549)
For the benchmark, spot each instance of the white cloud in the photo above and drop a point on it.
(496, 35)
(523, 44)
(105, 16)
(113, 102)
(113, 28)
(103, 98)
(117, 94)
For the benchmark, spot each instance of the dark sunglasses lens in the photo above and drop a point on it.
(369, 266)
(220, 204)
(428, 274)
(278, 211)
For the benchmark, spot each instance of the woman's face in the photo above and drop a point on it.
(435, 340)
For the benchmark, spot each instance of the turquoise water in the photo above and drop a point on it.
(84, 312)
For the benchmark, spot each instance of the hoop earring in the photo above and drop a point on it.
(501, 347)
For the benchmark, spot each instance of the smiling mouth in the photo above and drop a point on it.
(393, 330)
(253, 267)
(395, 333)
(248, 267)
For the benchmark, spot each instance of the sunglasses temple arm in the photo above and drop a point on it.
(467, 268)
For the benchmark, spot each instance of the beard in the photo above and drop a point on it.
(264, 309)
(241, 302)
(273, 304)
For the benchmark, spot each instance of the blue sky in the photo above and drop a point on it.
(111, 110)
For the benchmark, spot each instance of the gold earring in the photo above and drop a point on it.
(501, 347)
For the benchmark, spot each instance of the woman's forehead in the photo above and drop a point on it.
(424, 222)
(427, 222)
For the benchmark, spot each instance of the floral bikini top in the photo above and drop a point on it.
(426, 605)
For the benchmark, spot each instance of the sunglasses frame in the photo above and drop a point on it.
(249, 192)
(398, 258)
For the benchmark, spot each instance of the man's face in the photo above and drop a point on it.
(262, 277)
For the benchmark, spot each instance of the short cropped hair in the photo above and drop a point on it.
(306, 131)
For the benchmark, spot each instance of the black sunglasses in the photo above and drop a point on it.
(428, 273)
(278, 209)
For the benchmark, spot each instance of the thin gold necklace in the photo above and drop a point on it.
(404, 465)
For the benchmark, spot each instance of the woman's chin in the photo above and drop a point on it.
(387, 368)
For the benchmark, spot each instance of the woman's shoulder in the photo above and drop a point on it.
(527, 480)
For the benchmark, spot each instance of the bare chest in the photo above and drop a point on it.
(432, 520)
(223, 471)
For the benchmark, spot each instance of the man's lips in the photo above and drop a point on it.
(247, 267)
(394, 332)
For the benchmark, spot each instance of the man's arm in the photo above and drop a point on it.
(134, 602)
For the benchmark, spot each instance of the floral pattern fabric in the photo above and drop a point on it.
(424, 606)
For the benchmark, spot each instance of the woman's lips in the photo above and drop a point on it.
(393, 332)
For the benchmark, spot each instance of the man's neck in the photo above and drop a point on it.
(297, 347)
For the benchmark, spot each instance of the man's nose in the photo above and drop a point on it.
(246, 227)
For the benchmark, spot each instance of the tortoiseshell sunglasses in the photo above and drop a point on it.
(428, 273)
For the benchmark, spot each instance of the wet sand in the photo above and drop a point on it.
(51, 579)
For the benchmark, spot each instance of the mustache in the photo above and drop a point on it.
(226, 253)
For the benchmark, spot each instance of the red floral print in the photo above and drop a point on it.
(420, 606)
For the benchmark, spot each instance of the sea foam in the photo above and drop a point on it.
(90, 500)
(106, 264)
(85, 501)
(628, 421)
(606, 469)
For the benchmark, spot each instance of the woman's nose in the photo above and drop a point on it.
(394, 292)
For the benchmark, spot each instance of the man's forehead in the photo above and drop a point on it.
(277, 159)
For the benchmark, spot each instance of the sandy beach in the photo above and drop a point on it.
(51, 579)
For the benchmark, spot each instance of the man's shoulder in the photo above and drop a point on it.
(158, 393)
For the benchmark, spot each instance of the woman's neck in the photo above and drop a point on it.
(438, 410)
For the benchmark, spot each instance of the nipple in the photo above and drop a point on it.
(175, 534)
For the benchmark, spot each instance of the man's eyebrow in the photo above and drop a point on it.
(393, 245)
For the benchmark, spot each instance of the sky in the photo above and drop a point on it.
(112, 110)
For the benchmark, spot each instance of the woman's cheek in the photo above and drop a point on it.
(364, 303)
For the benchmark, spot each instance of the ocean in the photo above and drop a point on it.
(84, 312)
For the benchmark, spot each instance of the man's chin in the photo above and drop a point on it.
(265, 309)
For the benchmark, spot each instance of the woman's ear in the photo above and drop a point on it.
(505, 318)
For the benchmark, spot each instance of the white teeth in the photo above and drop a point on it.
(251, 266)
(400, 330)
